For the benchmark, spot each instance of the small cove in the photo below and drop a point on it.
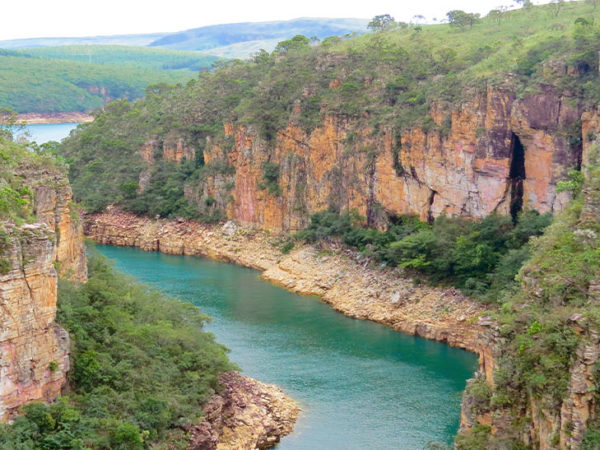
(360, 384)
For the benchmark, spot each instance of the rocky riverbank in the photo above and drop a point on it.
(247, 414)
(47, 118)
(342, 278)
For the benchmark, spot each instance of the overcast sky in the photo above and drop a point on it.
(65, 18)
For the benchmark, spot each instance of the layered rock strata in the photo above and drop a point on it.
(34, 351)
(493, 153)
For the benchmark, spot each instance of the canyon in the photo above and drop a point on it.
(35, 350)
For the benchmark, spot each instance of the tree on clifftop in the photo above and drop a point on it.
(383, 22)
(461, 19)
(298, 42)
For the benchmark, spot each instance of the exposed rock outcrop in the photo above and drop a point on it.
(558, 414)
(494, 153)
(247, 414)
(34, 351)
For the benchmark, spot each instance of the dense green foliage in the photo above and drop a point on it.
(142, 368)
(555, 313)
(123, 56)
(104, 170)
(51, 83)
(16, 159)
(482, 257)
(378, 81)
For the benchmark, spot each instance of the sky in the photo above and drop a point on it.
(75, 18)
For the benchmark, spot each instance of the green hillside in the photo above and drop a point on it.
(45, 81)
(387, 78)
(141, 57)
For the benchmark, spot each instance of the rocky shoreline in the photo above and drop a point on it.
(247, 414)
(48, 118)
(342, 278)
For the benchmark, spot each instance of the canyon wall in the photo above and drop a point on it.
(494, 153)
(34, 350)
(544, 422)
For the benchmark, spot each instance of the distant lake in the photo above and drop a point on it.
(45, 132)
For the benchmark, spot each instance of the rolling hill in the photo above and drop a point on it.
(61, 79)
(232, 40)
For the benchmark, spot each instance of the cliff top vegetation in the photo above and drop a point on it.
(383, 80)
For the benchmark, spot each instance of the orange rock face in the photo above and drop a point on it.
(465, 162)
(34, 351)
(462, 164)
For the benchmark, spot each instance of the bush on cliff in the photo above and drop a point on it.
(482, 258)
(142, 369)
(548, 328)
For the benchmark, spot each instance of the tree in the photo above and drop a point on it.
(9, 124)
(418, 18)
(524, 3)
(298, 42)
(461, 19)
(557, 6)
(498, 13)
(381, 23)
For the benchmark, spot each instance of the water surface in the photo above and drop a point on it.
(361, 385)
(44, 132)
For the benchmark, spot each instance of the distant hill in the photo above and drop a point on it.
(150, 58)
(234, 40)
(53, 75)
(243, 39)
(136, 40)
(62, 79)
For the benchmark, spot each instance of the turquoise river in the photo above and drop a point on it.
(360, 385)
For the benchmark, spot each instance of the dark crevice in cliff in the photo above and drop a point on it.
(516, 175)
(430, 216)
(372, 205)
(397, 155)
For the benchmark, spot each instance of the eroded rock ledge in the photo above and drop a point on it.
(247, 414)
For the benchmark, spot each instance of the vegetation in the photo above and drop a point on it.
(142, 369)
(15, 160)
(62, 79)
(379, 81)
(482, 258)
(123, 56)
(553, 314)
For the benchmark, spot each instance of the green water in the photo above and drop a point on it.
(360, 385)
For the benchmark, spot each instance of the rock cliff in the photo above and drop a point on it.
(494, 153)
(535, 415)
(34, 351)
